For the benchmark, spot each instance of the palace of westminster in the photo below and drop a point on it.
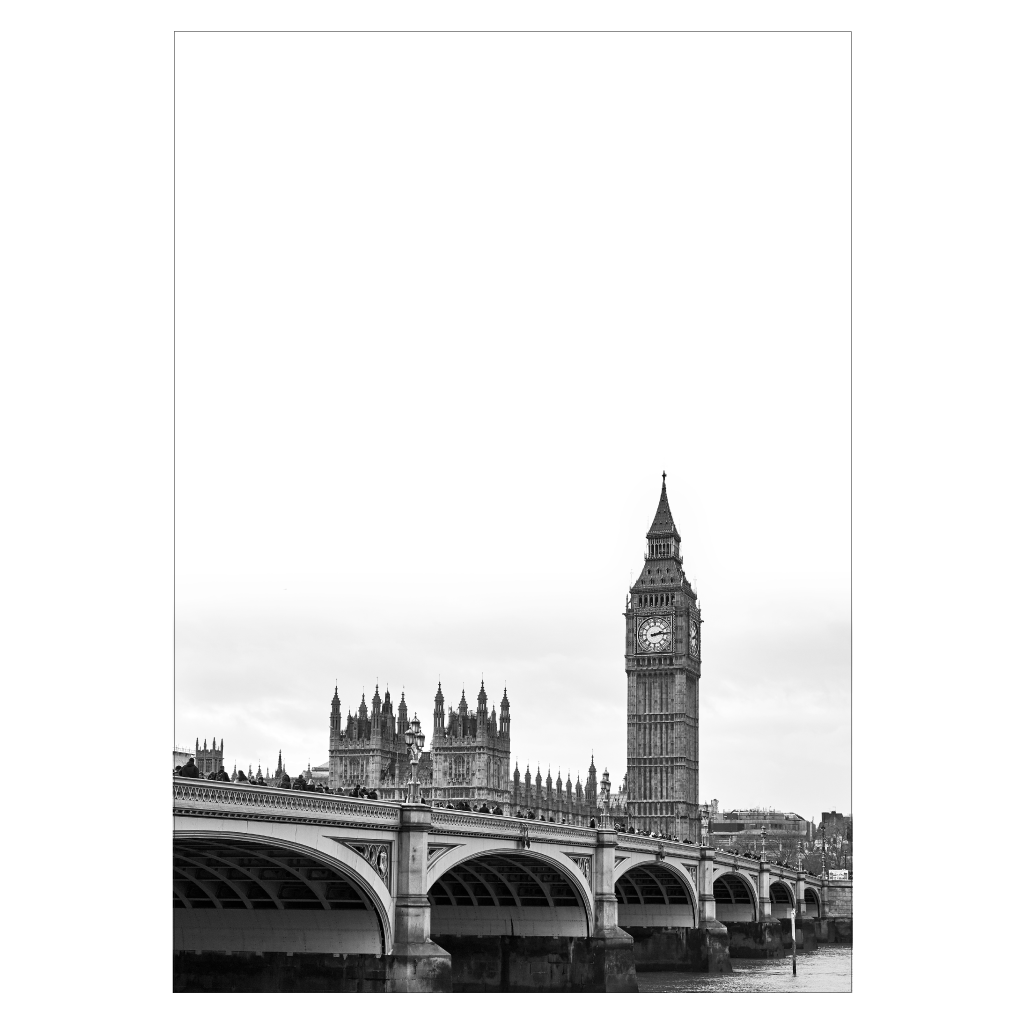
(469, 757)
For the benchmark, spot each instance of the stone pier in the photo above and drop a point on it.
(416, 964)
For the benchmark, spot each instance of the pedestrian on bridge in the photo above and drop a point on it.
(189, 769)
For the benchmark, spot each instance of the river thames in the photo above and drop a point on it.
(829, 968)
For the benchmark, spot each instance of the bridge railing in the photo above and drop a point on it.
(646, 844)
(735, 860)
(471, 821)
(231, 799)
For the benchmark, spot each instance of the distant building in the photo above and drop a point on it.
(618, 804)
(369, 750)
(209, 759)
(469, 755)
(468, 760)
(280, 774)
(836, 823)
(181, 756)
(538, 797)
(785, 832)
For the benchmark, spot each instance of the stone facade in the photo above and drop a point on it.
(470, 753)
(370, 749)
(468, 761)
(209, 759)
(663, 636)
(553, 802)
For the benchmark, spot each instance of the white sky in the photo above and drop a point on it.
(447, 305)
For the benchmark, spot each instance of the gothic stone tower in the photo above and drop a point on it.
(368, 749)
(470, 755)
(210, 759)
(662, 687)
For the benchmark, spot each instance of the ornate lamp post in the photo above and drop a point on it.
(764, 835)
(704, 826)
(414, 742)
(606, 790)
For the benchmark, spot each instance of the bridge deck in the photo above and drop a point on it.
(206, 798)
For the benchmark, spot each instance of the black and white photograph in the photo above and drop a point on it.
(512, 512)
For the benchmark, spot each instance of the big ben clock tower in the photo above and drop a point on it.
(662, 687)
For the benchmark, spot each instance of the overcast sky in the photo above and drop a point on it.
(447, 306)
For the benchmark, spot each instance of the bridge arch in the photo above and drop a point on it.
(655, 894)
(783, 898)
(812, 900)
(509, 891)
(245, 892)
(735, 897)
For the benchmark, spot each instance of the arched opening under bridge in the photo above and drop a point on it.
(652, 896)
(238, 895)
(507, 894)
(734, 899)
(782, 900)
(813, 901)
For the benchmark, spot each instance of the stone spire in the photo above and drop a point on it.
(403, 717)
(439, 711)
(663, 525)
(335, 713)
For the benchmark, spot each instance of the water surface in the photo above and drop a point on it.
(829, 968)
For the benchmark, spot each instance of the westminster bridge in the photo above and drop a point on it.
(294, 891)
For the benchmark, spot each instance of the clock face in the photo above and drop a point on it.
(694, 635)
(654, 635)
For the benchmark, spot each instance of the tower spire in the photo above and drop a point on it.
(663, 524)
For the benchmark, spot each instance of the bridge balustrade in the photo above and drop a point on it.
(232, 799)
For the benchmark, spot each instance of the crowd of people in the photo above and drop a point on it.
(190, 771)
